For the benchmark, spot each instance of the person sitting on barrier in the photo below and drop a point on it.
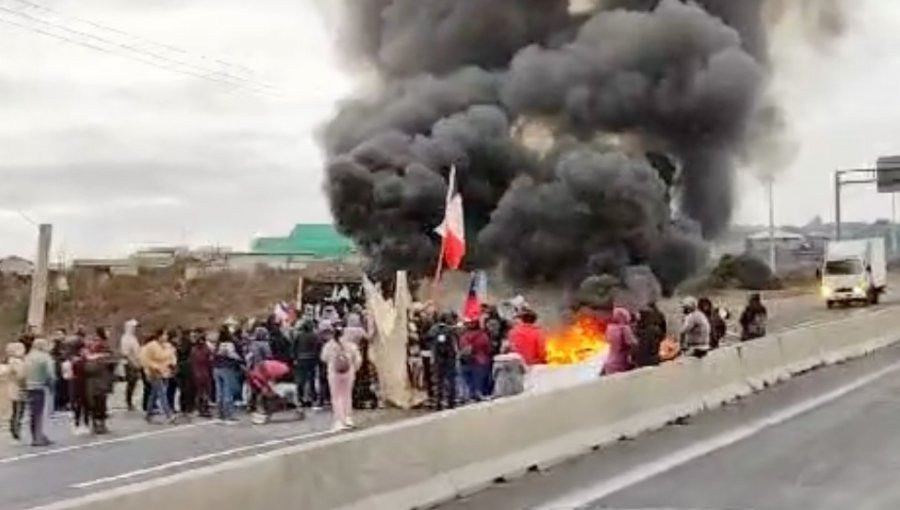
(753, 319)
(695, 329)
(717, 326)
(621, 343)
(508, 372)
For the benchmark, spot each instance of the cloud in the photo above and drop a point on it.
(117, 153)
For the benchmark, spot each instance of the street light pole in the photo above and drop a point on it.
(837, 205)
(772, 253)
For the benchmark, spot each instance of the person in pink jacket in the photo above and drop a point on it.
(621, 341)
(342, 357)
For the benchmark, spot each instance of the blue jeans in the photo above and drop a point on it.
(226, 384)
(158, 397)
(477, 379)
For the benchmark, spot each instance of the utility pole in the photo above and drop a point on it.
(38, 304)
(772, 253)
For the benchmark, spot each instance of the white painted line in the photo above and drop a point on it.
(675, 459)
(199, 458)
(94, 444)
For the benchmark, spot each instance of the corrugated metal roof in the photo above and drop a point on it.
(318, 240)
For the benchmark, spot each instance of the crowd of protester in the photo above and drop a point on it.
(318, 357)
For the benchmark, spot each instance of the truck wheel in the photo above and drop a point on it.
(875, 297)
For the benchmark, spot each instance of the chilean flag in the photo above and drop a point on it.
(453, 229)
(477, 292)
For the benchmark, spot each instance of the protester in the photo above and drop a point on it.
(130, 348)
(342, 358)
(651, 330)
(475, 359)
(753, 319)
(354, 330)
(263, 379)
(184, 377)
(621, 343)
(695, 329)
(157, 360)
(58, 353)
(17, 393)
(307, 351)
(365, 393)
(40, 377)
(717, 326)
(527, 338)
(259, 350)
(444, 341)
(201, 367)
(496, 329)
(170, 346)
(227, 363)
(508, 372)
(99, 366)
(77, 374)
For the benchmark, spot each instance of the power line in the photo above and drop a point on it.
(110, 52)
(120, 45)
(136, 37)
(133, 53)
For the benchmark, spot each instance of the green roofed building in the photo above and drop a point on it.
(317, 241)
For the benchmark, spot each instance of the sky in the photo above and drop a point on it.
(118, 154)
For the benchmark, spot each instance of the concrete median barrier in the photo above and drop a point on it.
(761, 362)
(430, 459)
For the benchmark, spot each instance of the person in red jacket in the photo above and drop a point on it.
(475, 359)
(528, 340)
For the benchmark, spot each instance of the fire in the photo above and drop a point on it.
(577, 342)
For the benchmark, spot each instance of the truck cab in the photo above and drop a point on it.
(854, 272)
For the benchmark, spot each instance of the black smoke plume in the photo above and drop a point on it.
(460, 78)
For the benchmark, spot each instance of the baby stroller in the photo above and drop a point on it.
(273, 397)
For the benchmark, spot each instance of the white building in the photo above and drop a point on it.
(16, 266)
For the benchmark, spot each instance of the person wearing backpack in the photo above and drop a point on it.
(753, 319)
(342, 359)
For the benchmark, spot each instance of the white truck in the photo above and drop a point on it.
(854, 272)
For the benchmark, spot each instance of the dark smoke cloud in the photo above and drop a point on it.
(410, 37)
(388, 193)
(460, 76)
(676, 74)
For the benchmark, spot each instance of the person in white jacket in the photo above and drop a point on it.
(130, 348)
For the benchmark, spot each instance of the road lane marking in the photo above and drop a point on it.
(200, 458)
(82, 446)
(649, 470)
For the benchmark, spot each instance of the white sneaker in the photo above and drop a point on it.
(82, 431)
(349, 423)
(338, 427)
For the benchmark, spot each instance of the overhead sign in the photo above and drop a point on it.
(888, 174)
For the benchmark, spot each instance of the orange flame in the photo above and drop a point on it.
(577, 342)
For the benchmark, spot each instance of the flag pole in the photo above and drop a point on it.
(451, 184)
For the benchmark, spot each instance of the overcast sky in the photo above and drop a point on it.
(118, 154)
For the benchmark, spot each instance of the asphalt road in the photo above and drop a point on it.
(825, 441)
(76, 466)
(136, 451)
